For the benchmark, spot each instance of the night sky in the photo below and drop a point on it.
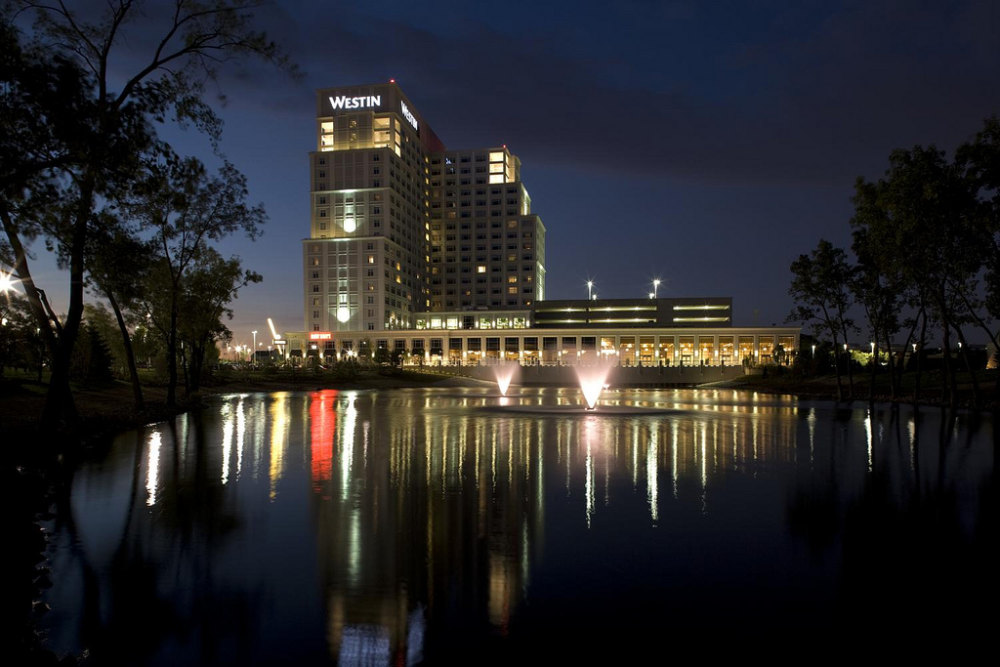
(707, 144)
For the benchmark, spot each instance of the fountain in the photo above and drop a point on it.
(503, 372)
(592, 381)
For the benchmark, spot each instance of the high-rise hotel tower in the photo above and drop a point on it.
(401, 226)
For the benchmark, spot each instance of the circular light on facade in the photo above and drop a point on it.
(349, 225)
(343, 314)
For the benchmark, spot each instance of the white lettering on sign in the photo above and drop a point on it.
(408, 115)
(364, 102)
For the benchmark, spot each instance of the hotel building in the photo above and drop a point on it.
(401, 226)
(434, 254)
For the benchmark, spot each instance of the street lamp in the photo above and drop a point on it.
(590, 290)
(652, 295)
(253, 361)
(6, 282)
(656, 285)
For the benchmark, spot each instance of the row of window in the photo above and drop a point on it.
(495, 156)
(493, 303)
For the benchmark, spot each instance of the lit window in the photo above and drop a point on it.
(496, 156)
(496, 178)
(481, 269)
(371, 259)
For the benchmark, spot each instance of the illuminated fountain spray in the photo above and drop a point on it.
(503, 372)
(592, 380)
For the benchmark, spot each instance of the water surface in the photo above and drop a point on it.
(429, 525)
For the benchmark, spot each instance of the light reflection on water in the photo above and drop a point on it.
(378, 527)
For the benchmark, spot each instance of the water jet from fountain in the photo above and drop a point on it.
(592, 380)
(503, 372)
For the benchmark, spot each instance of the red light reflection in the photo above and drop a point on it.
(323, 427)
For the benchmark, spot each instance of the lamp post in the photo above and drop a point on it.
(656, 285)
(253, 361)
(6, 282)
(590, 290)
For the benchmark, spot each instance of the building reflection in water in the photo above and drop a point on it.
(279, 417)
(421, 510)
(440, 508)
(152, 468)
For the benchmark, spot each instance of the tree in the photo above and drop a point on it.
(118, 263)
(921, 218)
(18, 346)
(878, 283)
(979, 163)
(186, 208)
(821, 289)
(92, 359)
(78, 122)
(208, 287)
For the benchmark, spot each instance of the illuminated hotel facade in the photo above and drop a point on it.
(401, 226)
(434, 255)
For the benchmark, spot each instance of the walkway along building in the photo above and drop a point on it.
(434, 255)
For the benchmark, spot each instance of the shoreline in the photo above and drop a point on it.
(36, 466)
(105, 411)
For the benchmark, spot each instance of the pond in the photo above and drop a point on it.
(446, 525)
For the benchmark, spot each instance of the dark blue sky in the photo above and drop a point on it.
(707, 144)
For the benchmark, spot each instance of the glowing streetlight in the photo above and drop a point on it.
(253, 362)
(6, 282)
(652, 295)
(656, 285)
(590, 290)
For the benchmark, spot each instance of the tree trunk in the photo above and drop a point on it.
(129, 354)
(172, 359)
(948, 388)
(60, 411)
(836, 368)
(874, 365)
(184, 370)
(920, 358)
(850, 371)
(196, 364)
(893, 381)
(993, 338)
(963, 351)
